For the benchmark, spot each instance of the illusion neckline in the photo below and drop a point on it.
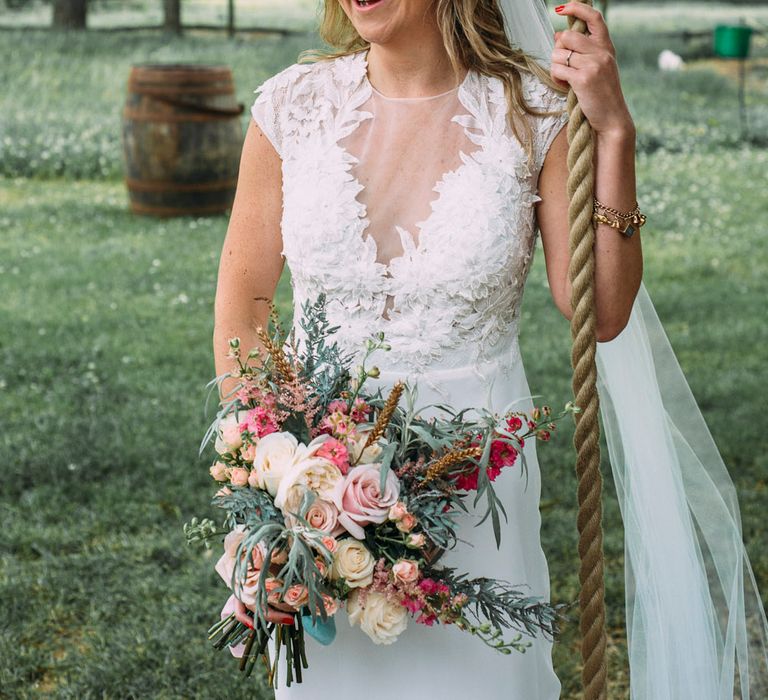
(364, 56)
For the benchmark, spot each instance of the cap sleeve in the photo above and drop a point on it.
(267, 111)
(270, 107)
(542, 97)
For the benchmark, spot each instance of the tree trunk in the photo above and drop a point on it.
(69, 14)
(172, 16)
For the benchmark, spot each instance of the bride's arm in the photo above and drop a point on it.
(251, 264)
(618, 259)
(587, 63)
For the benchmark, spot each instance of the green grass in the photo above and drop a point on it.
(106, 348)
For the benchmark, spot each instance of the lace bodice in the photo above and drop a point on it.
(414, 215)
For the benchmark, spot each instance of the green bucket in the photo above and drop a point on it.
(732, 41)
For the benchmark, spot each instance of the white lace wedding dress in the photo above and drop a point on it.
(415, 216)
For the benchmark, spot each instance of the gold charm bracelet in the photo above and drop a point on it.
(624, 222)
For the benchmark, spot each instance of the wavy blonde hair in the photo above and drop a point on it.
(474, 38)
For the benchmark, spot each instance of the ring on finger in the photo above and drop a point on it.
(568, 58)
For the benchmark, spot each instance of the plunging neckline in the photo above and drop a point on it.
(387, 271)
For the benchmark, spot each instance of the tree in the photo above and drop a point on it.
(69, 14)
(172, 16)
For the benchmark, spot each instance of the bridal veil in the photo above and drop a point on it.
(696, 626)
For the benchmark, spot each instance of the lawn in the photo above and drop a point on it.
(106, 349)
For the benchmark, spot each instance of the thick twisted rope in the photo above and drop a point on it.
(586, 440)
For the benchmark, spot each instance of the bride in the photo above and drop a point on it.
(407, 175)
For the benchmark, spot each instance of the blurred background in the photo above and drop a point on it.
(106, 318)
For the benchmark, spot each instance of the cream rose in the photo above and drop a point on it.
(356, 453)
(317, 474)
(361, 502)
(274, 458)
(353, 562)
(382, 620)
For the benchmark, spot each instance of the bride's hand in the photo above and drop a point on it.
(278, 613)
(591, 70)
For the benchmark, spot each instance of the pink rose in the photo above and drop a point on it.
(239, 476)
(253, 479)
(406, 523)
(219, 471)
(322, 515)
(296, 596)
(224, 491)
(361, 502)
(405, 571)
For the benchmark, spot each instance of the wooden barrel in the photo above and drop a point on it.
(182, 137)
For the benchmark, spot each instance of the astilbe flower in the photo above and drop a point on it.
(294, 397)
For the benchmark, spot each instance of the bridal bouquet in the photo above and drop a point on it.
(334, 496)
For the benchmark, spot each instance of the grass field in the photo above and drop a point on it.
(106, 347)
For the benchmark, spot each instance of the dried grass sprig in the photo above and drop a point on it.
(450, 459)
(385, 415)
(282, 365)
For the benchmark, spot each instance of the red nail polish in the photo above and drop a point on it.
(559, 8)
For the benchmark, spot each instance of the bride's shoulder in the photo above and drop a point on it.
(303, 77)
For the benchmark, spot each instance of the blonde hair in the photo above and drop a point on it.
(474, 38)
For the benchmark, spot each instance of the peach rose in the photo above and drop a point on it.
(330, 543)
(361, 502)
(228, 437)
(219, 471)
(406, 523)
(405, 571)
(296, 596)
(239, 476)
(397, 511)
(248, 452)
(416, 540)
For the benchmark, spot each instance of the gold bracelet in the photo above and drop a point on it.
(624, 222)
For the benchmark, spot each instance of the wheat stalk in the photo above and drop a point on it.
(385, 414)
(450, 459)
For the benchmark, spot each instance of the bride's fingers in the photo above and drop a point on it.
(280, 617)
(241, 614)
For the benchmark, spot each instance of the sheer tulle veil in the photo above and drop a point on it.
(696, 627)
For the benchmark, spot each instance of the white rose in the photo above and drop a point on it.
(381, 619)
(353, 562)
(228, 434)
(274, 458)
(355, 445)
(318, 474)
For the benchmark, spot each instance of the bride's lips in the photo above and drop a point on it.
(372, 4)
